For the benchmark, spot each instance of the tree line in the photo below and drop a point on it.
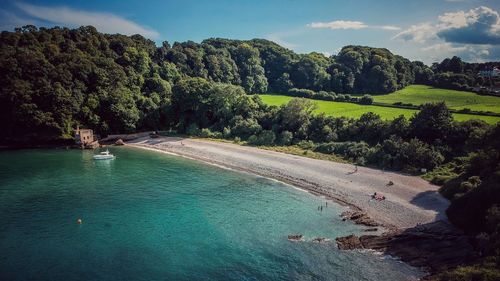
(55, 78)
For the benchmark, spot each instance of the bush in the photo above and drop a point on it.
(306, 144)
(265, 137)
(302, 93)
(206, 133)
(358, 152)
(366, 99)
(285, 138)
(193, 130)
(226, 132)
(412, 155)
(244, 128)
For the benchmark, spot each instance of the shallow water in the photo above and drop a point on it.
(150, 216)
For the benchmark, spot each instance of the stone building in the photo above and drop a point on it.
(84, 136)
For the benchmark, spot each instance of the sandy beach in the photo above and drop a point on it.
(409, 201)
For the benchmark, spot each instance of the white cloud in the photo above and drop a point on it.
(417, 33)
(444, 48)
(388, 27)
(10, 20)
(104, 22)
(339, 24)
(468, 52)
(347, 24)
(476, 26)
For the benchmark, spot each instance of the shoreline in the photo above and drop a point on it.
(410, 223)
(246, 171)
(410, 202)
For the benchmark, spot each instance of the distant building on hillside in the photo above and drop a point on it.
(83, 136)
(495, 72)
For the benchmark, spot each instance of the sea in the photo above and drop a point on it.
(146, 215)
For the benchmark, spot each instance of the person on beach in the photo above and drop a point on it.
(321, 208)
(326, 204)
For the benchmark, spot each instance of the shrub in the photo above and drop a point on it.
(395, 153)
(206, 133)
(193, 130)
(366, 99)
(226, 132)
(265, 137)
(306, 144)
(358, 152)
(244, 128)
(303, 93)
(285, 138)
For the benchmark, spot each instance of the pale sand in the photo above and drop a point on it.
(410, 201)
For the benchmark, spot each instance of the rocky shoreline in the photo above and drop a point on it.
(435, 246)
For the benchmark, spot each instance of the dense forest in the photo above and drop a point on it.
(54, 79)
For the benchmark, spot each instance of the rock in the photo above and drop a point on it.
(119, 142)
(295, 237)
(350, 242)
(436, 245)
(359, 218)
(320, 240)
(92, 145)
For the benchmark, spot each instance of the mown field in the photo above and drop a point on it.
(352, 110)
(420, 94)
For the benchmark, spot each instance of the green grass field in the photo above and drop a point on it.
(352, 110)
(420, 94)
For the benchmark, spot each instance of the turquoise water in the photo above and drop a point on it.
(150, 216)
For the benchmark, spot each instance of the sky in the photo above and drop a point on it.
(425, 30)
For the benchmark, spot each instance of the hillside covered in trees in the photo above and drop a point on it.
(53, 79)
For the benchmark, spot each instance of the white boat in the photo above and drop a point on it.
(105, 155)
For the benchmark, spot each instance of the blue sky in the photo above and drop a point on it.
(427, 30)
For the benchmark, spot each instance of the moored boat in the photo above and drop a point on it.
(105, 155)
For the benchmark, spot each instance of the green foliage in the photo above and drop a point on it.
(432, 122)
(265, 137)
(366, 99)
(193, 130)
(481, 272)
(357, 152)
(57, 78)
(244, 128)
(285, 138)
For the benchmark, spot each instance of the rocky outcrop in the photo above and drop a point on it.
(359, 217)
(350, 242)
(435, 246)
(92, 145)
(320, 240)
(295, 237)
(119, 142)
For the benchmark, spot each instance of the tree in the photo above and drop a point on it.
(251, 71)
(295, 116)
(190, 100)
(432, 122)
